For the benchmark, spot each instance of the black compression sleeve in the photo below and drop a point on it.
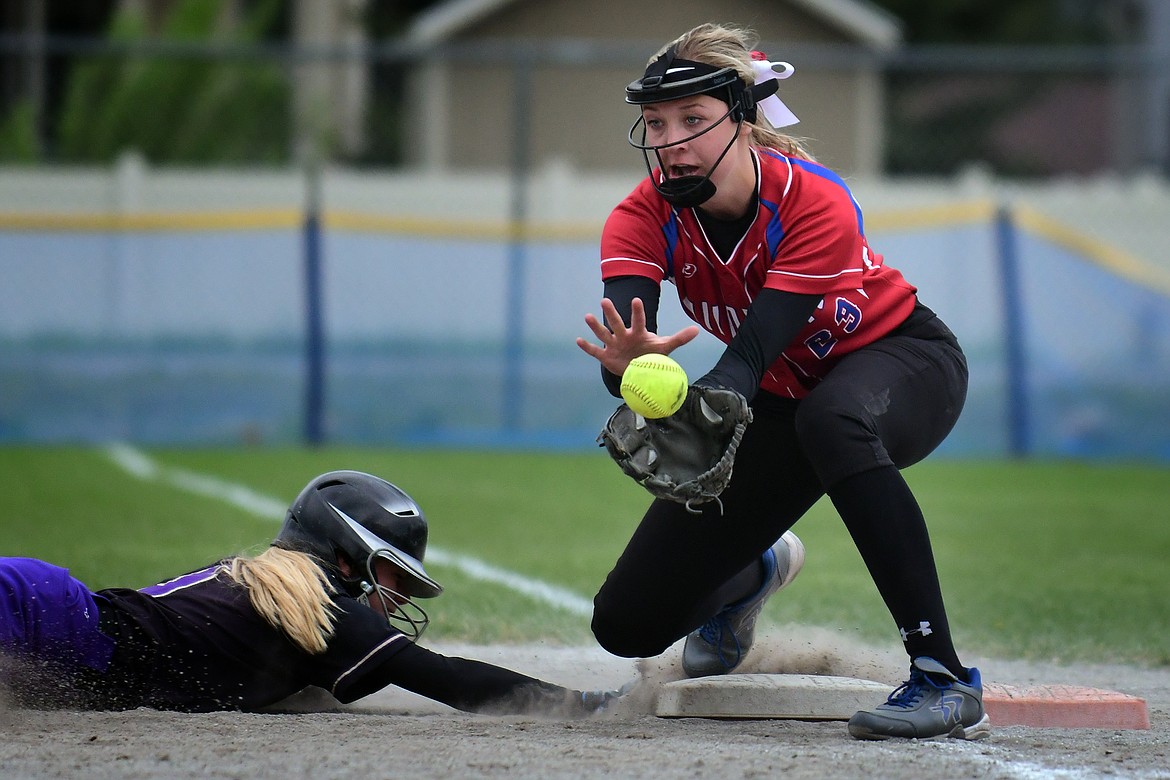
(622, 291)
(772, 322)
(471, 686)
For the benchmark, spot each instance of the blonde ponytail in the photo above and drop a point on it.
(291, 592)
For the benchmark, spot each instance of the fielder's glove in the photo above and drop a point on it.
(686, 457)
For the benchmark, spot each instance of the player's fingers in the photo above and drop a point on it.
(612, 318)
(598, 329)
(684, 336)
(637, 315)
(590, 348)
(613, 360)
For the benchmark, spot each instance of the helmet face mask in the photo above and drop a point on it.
(670, 78)
(359, 518)
(681, 191)
(400, 611)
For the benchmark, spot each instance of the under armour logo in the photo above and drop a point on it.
(948, 706)
(923, 628)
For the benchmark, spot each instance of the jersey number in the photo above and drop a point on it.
(847, 316)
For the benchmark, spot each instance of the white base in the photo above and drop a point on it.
(786, 696)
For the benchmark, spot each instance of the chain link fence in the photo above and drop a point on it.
(1022, 112)
(264, 268)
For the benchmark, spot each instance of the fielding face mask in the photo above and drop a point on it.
(670, 78)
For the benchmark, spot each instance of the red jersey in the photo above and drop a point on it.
(808, 237)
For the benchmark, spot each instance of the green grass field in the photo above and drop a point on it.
(1040, 560)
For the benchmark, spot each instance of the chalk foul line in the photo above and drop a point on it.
(139, 465)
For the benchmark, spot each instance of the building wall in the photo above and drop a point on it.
(468, 115)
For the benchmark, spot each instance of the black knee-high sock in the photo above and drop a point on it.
(886, 524)
(743, 585)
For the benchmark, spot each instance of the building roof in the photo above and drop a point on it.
(860, 19)
(863, 20)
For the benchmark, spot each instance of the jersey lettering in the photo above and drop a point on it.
(719, 320)
(848, 315)
(821, 343)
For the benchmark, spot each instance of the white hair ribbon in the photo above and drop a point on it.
(778, 114)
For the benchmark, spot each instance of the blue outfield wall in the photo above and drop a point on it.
(199, 338)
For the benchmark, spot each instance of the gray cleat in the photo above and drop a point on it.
(932, 703)
(720, 645)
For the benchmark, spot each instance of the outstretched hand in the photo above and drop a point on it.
(598, 701)
(621, 344)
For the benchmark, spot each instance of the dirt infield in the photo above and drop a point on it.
(396, 734)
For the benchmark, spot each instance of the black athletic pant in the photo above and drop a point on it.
(882, 408)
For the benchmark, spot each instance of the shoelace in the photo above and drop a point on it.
(712, 630)
(908, 693)
(712, 633)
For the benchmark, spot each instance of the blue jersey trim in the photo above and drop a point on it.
(670, 233)
(774, 233)
(828, 175)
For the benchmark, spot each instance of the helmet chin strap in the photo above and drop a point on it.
(686, 192)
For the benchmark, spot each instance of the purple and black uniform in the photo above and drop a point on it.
(194, 643)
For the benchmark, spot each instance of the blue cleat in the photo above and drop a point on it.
(932, 703)
(720, 644)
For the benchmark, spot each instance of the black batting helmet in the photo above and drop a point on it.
(363, 517)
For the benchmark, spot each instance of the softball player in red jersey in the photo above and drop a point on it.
(850, 378)
(329, 604)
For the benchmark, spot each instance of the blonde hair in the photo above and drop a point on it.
(291, 592)
(729, 46)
